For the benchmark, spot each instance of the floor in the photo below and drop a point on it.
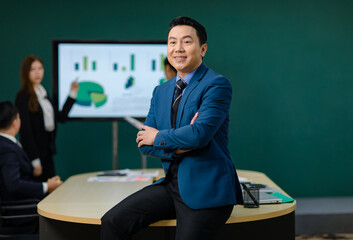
(325, 236)
(316, 217)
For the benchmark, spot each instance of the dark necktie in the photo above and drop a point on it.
(180, 85)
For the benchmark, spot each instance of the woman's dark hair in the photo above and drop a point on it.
(200, 30)
(8, 113)
(26, 84)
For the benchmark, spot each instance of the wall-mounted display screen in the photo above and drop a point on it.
(116, 79)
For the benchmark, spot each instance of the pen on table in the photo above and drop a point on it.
(250, 194)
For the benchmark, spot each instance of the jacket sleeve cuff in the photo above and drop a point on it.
(160, 142)
(73, 94)
(36, 162)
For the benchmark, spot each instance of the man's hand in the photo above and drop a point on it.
(194, 118)
(53, 183)
(147, 136)
(37, 170)
(179, 151)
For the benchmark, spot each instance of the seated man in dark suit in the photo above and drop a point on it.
(16, 171)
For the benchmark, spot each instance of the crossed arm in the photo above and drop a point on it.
(148, 134)
(212, 112)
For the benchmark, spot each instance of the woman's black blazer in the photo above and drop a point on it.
(36, 141)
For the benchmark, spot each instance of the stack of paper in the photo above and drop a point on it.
(125, 175)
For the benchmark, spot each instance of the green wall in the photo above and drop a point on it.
(290, 64)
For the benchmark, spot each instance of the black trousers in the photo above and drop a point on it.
(158, 202)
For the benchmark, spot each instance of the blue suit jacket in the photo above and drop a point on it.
(206, 175)
(16, 174)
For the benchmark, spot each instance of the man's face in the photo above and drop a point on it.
(184, 51)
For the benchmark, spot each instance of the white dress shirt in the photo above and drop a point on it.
(47, 107)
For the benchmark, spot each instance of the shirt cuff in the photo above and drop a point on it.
(73, 94)
(36, 162)
(45, 187)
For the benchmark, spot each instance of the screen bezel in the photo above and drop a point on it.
(55, 58)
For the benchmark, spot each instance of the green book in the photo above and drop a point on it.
(284, 197)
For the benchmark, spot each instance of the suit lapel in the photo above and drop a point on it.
(195, 80)
(169, 101)
(17, 147)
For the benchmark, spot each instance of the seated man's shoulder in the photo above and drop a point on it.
(6, 145)
(7, 148)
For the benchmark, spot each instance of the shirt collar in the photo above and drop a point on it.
(40, 91)
(10, 137)
(187, 78)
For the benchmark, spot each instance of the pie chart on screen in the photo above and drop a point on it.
(90, 93)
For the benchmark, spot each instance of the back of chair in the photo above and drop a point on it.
(18, 218)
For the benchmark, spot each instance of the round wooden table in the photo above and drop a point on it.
(73, 211)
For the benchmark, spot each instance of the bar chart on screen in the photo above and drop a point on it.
(115, 80)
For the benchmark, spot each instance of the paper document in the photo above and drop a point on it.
(125, 175)
(243, 179)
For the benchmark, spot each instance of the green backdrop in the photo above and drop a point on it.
(290, 64)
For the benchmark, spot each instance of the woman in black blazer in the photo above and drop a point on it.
(38, 117)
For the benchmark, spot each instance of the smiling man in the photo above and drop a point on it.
(187, 128)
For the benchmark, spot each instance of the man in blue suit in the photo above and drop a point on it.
(187, 127)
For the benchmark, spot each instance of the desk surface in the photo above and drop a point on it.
(80, 201)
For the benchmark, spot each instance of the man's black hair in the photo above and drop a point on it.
(200, 30)
(8, 113)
